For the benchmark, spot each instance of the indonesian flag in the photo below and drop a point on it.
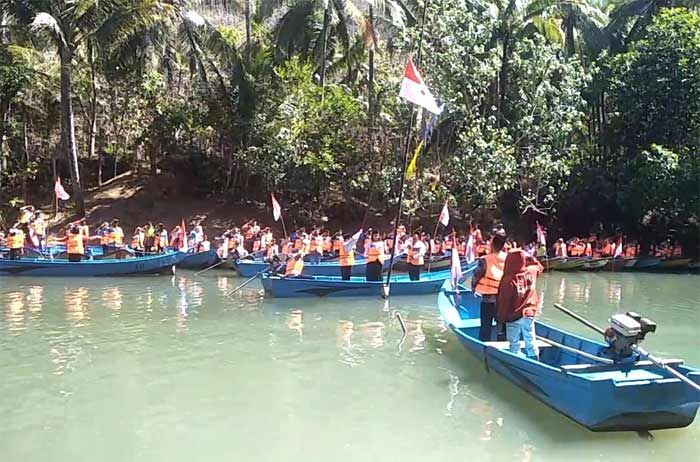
(469, 254)
(618, 249)
(444, 215)
(276, 209)
(60, 192)
(183, 236)
(416, 91)
(456, 266)
(541, 239)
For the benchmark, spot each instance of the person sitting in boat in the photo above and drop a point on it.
(485, 282)
(295, 265)
(15, 242)
(518, 301)
(375, 253)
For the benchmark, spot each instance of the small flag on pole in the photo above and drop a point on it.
(276, 209)
(444, 215)
(469, 255)
(618, 249)
(416, 91)
(183, 236)
(541, 239)
(60, 192)
(456, 266)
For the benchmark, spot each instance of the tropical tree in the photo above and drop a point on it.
(68, 25)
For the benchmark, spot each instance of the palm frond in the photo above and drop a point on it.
(44, 22)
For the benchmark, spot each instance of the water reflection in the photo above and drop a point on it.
(35, 299)
(14, 311)
(76, 304)
(113, 298)
(373, 334)
(295, 322)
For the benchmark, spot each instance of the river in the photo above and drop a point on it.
(171, 369)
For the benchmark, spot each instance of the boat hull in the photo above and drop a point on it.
(595, 264)
(157, 264)
(624, 398)
(320, 286)
(249, 268)
(199, 260)
(573, 263)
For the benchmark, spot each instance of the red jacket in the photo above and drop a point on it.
(517, 293)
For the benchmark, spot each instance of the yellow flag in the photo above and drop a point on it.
(411, 170)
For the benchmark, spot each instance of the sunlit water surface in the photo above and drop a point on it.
(170, 369)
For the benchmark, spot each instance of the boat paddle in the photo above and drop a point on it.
(247, 281)
(641, 351)
(211, 267)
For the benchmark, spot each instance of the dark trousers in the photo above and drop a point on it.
(487, 314)
(74, 257)
(374, 271)
(346, 272)
(414, 272)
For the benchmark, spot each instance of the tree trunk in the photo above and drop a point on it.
(370, 82)
(26, 162)
(68, 143)
(569, 37)
(248, 31)
(324, 46)
(93, 107)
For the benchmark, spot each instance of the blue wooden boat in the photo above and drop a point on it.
(602, 397)
(249, 268)
(324, 286)
(199, 260)
(155, 264)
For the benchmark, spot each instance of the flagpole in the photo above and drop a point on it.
(430, 246)
(407, 142)
(284, 228)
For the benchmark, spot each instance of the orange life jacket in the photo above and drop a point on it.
(137, 242)
(347, 258)
(415, 258)
(294, 267)
(588, 250)
(435, 248)
(327, 245)
(375, 253)
(16, 241)
(337, 245)
(75, 245)
(488, 284)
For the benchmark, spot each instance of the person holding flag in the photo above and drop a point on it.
(347, 254)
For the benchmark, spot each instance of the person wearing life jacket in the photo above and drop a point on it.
(272, 250)
(347, 254)
(161, 239)
(588, 249)
(486, 280)
(337, 244)
(15, 242)
(75, 244)
(25, 214)
(560, 248)
(416, 257)
(117, 237)
(313, 246)
(103, 231)
(205, 245)
(137, 241)
(375, 252)
(518, 301)
(295, 265)
(38, 225)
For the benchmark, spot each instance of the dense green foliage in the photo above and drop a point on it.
(581, 118)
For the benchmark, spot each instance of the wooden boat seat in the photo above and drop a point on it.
(506, 345)
(585, 368)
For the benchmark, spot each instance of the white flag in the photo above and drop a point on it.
(455, 267)
(618, 249)
(60, 192)
(469, 254)
(276, 209)
(444, 215)
(416, 91)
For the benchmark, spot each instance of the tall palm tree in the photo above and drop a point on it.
(299, 31)
(629, 18)
(69, 24)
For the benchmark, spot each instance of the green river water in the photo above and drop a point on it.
(170, 369)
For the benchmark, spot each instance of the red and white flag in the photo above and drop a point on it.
(618, 249)
(469, 254)
(456, 266)
(444, 215)
(541, 238)
(276, 209)
(60, 192)
(416, 91)
(183, 236)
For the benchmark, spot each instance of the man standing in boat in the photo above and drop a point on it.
(416, 257)
(375, 253)
(486, 281)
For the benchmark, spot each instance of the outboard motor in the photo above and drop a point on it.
(626, 331)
